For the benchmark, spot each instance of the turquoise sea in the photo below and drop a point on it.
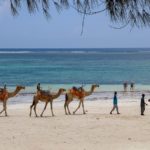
(66, 67)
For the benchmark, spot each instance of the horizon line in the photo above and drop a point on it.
(82, 48)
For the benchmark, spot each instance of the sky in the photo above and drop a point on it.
(63, 30)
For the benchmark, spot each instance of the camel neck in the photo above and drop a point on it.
(56, 95)
(87, 93)
(12, 94)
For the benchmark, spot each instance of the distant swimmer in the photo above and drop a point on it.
(125, 85)
(132, 84)
(115, 104)
(143, 104)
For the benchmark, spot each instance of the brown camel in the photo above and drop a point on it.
(78, 94)
(45, 97)
(5, 95)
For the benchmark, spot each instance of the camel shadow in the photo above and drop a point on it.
(4, 116)
(39, 117)
(78, 114)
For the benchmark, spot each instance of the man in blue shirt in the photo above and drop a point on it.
(115, 104)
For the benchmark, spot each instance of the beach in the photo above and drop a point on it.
(66, 68)
(95, 130)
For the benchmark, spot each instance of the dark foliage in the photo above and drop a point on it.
(133, 12)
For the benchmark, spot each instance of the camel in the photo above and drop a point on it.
(45, 97)
(78, 94)
(5, 95)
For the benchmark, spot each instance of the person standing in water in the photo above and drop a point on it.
(115, 104)
(125, 85)
(132, 86)
(143, 104)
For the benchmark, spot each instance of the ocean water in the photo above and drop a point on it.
(55, 68)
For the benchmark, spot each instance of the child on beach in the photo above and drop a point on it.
(143, 104)
(115, 104)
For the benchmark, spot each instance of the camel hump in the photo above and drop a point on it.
(43, 92)
(77, 92)
(46, 92)
(74, 88)
(3, 93)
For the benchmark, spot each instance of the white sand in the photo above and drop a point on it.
(97, 130)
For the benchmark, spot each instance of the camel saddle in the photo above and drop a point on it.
(77, 92)
(43, 92)
(3, 93)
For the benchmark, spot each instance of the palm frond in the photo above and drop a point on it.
(133, 12)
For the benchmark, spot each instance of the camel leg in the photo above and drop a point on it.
(77, 107)
(44, 109)
(83, 107)
(35, 109)
(66, 101)
(68, 110)
(33, 103)
(31, 110)
(2, 111)
(68, 107)
(65, 105)
(51, 105)
(3, 108)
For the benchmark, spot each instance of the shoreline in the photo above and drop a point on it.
(96, 96)
(102, 88)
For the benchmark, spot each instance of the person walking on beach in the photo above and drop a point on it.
(143, 104)
(125, 85)
(115, 104)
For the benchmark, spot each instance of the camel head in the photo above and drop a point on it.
(20, 87)
(61, 90)
(95, 86)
